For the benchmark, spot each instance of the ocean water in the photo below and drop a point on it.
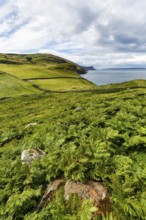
(103, 77)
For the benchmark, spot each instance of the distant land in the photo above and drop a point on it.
(87, 68)
(126, 68)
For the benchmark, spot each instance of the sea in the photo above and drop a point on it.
(104, 77)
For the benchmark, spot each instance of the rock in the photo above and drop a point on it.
(98, 193)
(31, 124)
(78, 109)
(29, 155)
(72, 187)
(47, 196)
(92, 190)
(99, 188)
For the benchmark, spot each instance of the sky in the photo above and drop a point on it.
(102, 33)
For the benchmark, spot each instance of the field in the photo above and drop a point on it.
(43, 72)
(26, 71)
(64, 84)
(91, 135)
(139, 83)
(11, 86)
(51, 77)
(96, 134)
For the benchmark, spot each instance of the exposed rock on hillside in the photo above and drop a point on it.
(51, 188)
(91, 190)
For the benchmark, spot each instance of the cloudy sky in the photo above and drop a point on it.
(102, 33)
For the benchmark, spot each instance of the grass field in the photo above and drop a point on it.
(64, 84)
(11, 86)
(26, 71)
(125, 85)
(50, 77)
(49, 72)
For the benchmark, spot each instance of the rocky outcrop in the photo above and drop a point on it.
(48, 194)
(92, 190)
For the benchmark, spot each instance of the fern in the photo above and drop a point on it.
(87, 210)
(109, 216)
(19, 203)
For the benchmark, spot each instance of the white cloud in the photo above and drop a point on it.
(102, 33)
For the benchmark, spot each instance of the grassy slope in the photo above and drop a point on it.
(125, 85)
(49, 105)
(68, 84)
(27, 71)
(36, 58)
(88, 136)
(96, 135)
(11, 86)
(45, 66)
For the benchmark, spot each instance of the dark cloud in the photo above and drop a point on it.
(84, 19)
(124, 39)
(121, 35)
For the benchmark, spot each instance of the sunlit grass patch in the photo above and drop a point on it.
(11, 86)
(26, 71)
(64, 84)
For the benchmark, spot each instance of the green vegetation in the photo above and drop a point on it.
(27, 71)
(125, 85)
(88, 136)
(33, 58)
(11, 86)
(94, 135)
(44, 71)
(64, 84)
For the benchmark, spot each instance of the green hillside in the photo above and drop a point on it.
(40, 70)
(11, 86)
(95, 136)
(69, 84)
(31, 58)
(40, 59)
(27, 71)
